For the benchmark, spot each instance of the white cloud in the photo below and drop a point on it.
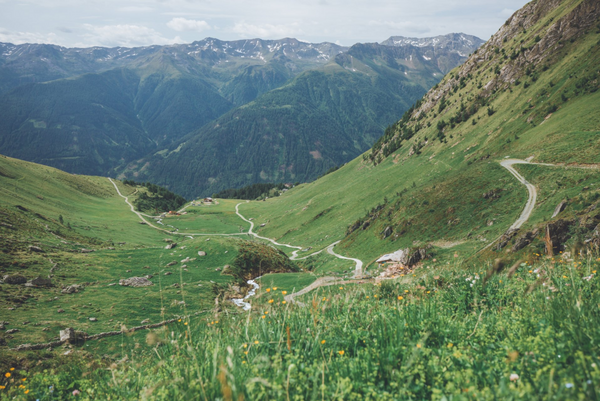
(266, 30)
(183, 24)
(18, 38)
(124, 35)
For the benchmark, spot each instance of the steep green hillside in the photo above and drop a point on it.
(434, 178)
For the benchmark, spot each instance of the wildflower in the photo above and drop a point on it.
(274, 288)
(341, 288)
(428, 292)
(2, 387)
(263, 316)
(406, 291)
(216, 321)
(367, 297)
(324, 299)
(266, 312)
(11, 369)
(270, 301)
(594, 272)
(21, 386)
(400, 298)
(245, 352)
(375, 296)
(245, 345)
(179, 320)
(418, 345)
(243, 362)
(530, 271)
(564, 276)
(594, 365)
(7, 375)
(450, 345)
(500, 281)
(569, 385)
(283, 302)
(268, 290)
(322, 341)
(514, 377)
(76, 392)
(186, 323)
(256, 342)
(26, 391)
(284, 292)
(23, 379)
(341, 352)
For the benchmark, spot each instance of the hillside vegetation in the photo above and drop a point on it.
(434, 177)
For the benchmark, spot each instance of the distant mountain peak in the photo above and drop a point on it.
(461, 43)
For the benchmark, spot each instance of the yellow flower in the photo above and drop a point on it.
(179, 320)
(367, 297)
(406, 291)
(11, 369)
(322, 341)
(341, 352)
(2, 387)
(375, 295)
(21, 386)
(274, 288)
(243, 362)
(564, 276)
(24, 379)
(418, 345)
(594, 272)
(500, 280)
(245, 352)
(245, 345)
(284, 292)
(256, 342)
(450, 345)
(266, 312)
(428, 292)
(216, 321)
(270, 301)
(185, 323)
(530, 271)
(7, 374)
(268, 290)
(400, 298)
(283, 302)
(263, 316)
(341, 288)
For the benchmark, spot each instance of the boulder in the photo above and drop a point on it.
(168, 273)
(84, 250)
(173, 263)
(387, 232)
(145, 321)
(93, 319)
(201, 253)
(559, 208)
(72, 289)
(524, 240)
(71, 336)
(60, 311)
(12, 331)
(558, 233)
(14, 279)
(136, 282)
(171, 246)
(34, 248)
(39, 281)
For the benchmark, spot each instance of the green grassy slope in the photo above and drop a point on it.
(541, 104)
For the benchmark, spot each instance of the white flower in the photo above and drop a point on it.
(568, 385)
(514, 377)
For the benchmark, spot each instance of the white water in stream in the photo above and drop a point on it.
(242, 302)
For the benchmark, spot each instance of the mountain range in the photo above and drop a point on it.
(123, 111)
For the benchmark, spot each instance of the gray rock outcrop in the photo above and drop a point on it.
(136, 282)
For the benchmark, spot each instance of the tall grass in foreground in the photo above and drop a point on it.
(443, 335)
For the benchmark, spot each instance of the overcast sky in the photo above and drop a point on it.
(84, 23)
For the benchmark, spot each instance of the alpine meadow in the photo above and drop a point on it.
(273, 219)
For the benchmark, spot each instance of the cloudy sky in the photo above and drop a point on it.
(86, 23)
